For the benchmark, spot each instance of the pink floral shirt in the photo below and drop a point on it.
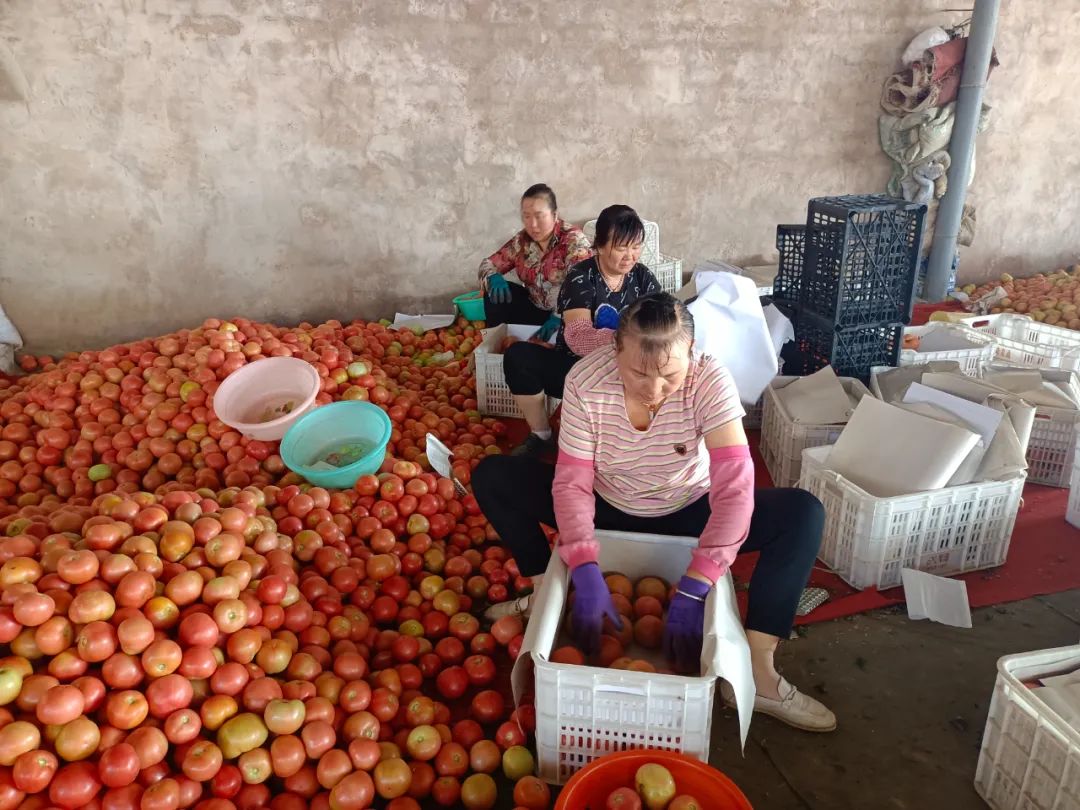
(541, 273)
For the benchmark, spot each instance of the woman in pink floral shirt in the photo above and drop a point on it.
(540, 254)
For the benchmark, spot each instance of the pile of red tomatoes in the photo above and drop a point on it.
(188, 625)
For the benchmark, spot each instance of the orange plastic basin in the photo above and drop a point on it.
(589, 788)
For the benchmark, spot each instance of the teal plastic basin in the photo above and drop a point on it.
(356, 431)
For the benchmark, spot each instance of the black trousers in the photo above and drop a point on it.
(521, 309)
(534, 369)
(515, 495)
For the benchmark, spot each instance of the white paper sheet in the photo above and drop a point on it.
(424, 322)
(729, 324)
(889, 451)
(938, 599)
(780, 329)
(438, 454)
(979, 418)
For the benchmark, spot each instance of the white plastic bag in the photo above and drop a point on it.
(730, 325)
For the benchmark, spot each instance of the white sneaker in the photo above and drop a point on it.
(522, 607)
(796, 709)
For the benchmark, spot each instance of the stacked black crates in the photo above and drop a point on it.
(852, 286)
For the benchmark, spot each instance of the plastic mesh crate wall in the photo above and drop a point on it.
(585, 712)
(1030, 757)
(868, 540)
(1024, 341)
(1072, 511)
(791, 244)
(669, 273)
(861, 257)
(650, 250)
(783, 439)
(972, 360)
(851, 352)
(493, 397)
(1051, 449)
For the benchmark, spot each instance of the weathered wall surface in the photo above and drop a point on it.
(292, 159)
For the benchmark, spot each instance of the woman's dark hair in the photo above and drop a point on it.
(618, 225)
(541, 191)
(659, 321)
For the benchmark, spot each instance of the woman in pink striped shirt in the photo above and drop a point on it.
(652, 442)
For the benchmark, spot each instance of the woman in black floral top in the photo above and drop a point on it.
(592, 297)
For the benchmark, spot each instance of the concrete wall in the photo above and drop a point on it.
(292, 159)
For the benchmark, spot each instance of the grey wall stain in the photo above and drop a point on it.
(303, 159)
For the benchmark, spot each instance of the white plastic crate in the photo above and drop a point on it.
(752, 420)
(868, 540)
(668, 271)
(783, 439)
(1072, 511)
(1030, 757)
(585, 712)
(650, 250)
(1051, 450)
(974, 350)
(493, 395)
(1052, 447)
(1023, 341)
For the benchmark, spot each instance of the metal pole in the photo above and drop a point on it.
(980, 46)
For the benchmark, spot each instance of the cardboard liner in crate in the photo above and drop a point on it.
(584, 712)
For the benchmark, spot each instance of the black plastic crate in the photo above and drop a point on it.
(851, 352)
(861, 259)
(790, 242)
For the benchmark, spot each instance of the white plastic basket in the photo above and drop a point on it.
(1051, 451)
(650, 250)
(1023, 341)
(585, 712)
(1030, 757)
(975, 349)
(669, 273)
(868, 540)
(752, 420)
(783, 439)
(493, 395)
(1072, 511)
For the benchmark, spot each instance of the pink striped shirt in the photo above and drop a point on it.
(649, 472)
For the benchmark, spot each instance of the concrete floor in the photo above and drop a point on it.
(911, 699)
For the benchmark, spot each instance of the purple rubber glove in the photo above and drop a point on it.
(685, 621)
(592, 602)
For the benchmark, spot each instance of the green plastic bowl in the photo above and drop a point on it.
(471, 305)
(337, 427)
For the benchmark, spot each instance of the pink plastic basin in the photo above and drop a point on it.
(263, 399)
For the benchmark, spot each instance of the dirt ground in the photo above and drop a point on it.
(911, 699)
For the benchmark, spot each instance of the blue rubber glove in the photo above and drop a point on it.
(498, 289)
(592, 602)
(607, 317)
(685, 623)
(550, 327)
